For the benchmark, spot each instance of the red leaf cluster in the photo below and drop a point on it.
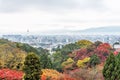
(7, 74)
(81, 53)
(102, 51)
(105, 45)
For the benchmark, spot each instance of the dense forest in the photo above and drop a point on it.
(82, 60)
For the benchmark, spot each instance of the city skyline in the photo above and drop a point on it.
(49, 15)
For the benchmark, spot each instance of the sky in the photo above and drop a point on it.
(47, 15)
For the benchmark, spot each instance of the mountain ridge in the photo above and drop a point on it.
(110, 29)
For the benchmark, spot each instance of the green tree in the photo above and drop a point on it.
(27, 48)
(117, 67)
(57, 59)
(68, 48)
(32, 67)
(108, 70)
(45, 60)
(94, 60)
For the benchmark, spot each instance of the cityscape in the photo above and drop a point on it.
(53, 41)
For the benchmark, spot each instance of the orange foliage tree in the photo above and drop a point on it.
(50, 74)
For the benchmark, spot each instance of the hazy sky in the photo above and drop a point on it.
(44, 15)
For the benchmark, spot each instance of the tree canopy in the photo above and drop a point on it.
(32, 67)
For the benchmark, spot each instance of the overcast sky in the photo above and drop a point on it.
(45, 15)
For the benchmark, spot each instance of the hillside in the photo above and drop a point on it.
(82, 60)
(12, 54)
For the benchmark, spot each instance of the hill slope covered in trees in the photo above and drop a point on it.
(12, 54)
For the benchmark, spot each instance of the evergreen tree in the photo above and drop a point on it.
(31, 67)
(94, 60)
(117, 67)
(46, 62)
(108, 70)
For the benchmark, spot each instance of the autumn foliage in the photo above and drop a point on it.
(49, 74)
(81, 63)
(7, 74)
(78, 61)
(84, 43)
(102, 51)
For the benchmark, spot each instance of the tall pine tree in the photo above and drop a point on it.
(31, 67)
(117, 67)
(108, 70)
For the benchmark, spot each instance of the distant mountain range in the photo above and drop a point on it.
(102, 30)
(111, 29)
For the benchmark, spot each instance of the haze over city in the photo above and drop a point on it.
(17, 16)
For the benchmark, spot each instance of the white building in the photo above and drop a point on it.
(116, 46)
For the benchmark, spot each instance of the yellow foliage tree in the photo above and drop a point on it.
(84, 43)
(50, 74)
(81, 63)
(15, 57)
(68, 63)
